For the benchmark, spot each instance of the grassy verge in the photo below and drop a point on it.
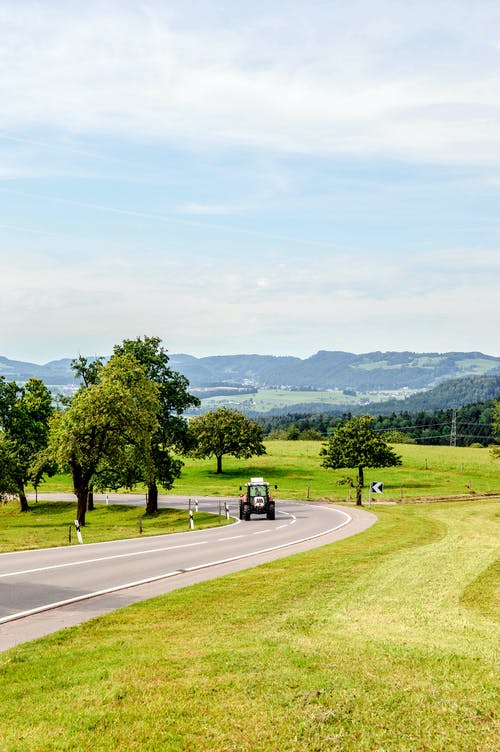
(363, 645)
(295, 466)
(47, 524)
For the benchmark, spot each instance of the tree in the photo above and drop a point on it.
(356, 445)
(171, 436)
(225, 431)
(24, 426)
(107, 428)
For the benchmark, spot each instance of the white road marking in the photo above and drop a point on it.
(206, 565)
(78, 598)
(101, 558)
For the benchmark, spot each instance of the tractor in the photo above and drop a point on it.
(256, 499)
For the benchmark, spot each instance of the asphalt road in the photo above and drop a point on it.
(44, 590)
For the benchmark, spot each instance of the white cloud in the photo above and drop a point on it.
(206, 306)
(141, 72)
(126, 129)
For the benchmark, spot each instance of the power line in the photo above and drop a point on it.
(453, 432)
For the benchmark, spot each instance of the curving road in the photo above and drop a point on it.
(44, 590)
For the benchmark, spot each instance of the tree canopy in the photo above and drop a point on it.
(224, 431)
(170, 437)
(356, 445)
(24, 425)
(106, 430)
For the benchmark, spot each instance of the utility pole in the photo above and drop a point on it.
(453, 432)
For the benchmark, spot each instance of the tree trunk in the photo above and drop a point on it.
(219, 464)
(152, 502)
(22, 497)
(82, 495)
(359, 487)
(90, 499)
(81, 485)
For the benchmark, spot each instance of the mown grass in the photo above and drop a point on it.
(48, 524)
(295, 466)
(378, 642)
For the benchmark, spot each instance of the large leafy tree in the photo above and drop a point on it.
(170, 437)
(356, 445)
(224, 431)
(107, 428)
(24, 420)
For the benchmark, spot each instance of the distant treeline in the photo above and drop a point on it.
(472, 425)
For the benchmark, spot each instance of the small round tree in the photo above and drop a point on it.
(224, 431)
(356, 445)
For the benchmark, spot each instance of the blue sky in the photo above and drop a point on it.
(274, 178)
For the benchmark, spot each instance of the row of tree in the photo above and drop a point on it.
(124, 426)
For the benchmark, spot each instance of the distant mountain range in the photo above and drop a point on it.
(375, 371)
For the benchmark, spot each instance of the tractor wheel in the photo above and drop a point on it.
(271, 514)
(242, 514)
(246, 512)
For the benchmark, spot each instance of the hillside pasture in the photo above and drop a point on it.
(265, 400)
(295, 466)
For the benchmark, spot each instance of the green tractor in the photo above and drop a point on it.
(257, 499)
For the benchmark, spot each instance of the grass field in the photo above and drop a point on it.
(270, 399)
(295, 466)
(383, 642)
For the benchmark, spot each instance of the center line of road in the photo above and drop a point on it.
(153, 578)
(102, 558)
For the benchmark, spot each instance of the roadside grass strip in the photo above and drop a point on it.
(48, 524)
(383, 642)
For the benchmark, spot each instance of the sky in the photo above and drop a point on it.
(272, 177)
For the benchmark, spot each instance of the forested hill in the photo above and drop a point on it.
(325, 370)
(336, 369)
(450, 394)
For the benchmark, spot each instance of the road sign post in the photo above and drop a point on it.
(376, 486)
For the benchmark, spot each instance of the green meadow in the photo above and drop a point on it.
(383, 642)
(386, 641)
(295, 466)
(270, 399)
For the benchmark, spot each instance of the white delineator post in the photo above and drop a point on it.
(78, 533)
